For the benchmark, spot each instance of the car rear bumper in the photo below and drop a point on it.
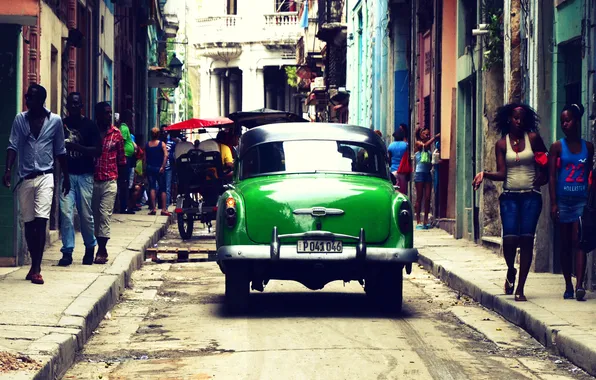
(289, 252)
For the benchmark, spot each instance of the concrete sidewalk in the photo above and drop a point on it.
(566, 326)
(51, 322)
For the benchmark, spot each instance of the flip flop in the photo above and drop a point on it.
(37, 279)
(510, 285)
(101, 259)
(520, 298)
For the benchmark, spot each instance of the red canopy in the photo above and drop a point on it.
(199, 123)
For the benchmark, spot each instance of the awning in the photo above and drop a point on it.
(200, 123)
(20, 12)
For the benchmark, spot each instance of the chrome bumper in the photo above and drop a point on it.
(289, 252)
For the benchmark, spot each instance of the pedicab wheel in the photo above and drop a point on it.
(386, 289)
(237, 288)
(185, 224)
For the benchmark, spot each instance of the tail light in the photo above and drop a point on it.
(405, 222)
(230, 212)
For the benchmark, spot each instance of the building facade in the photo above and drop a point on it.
(67, 46)
(244, 49)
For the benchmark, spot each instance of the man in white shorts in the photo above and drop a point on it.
(37, 136)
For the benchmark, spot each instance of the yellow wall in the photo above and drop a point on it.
(52, 31)
(449, 67)
(106, 40)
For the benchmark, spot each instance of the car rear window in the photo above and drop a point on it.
(313, 156)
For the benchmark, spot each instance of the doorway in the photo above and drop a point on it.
(466, 198)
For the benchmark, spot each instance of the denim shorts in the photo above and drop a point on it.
(570, 208)
(157, 181)
(520, 213)
(423, 177)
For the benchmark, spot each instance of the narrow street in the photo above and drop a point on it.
(172, 325)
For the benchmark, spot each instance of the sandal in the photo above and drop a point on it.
(37, 279)
(509, 285)
(101, 259)
(152, 212)
(166, 213)
(580, 293)
(568, 295)
(520, 298)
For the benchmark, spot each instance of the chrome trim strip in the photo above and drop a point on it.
(318, 211)
(288, 252)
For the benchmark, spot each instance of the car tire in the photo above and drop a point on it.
(237, 288)
(386, 289)
(185, 226)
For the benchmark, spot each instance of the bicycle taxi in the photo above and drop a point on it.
(201, 177)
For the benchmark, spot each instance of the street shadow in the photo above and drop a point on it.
(318, 304)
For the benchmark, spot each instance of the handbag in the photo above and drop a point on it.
(587, 222)
(425, 157)
(405, 166)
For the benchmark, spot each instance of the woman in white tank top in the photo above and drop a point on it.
(522, 165)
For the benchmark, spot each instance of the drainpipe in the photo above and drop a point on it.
(95, 55)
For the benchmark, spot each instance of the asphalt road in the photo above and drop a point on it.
(172, 325)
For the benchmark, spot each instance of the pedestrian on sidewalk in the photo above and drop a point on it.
(124, 182)
(109, 166)
(83, 145)
(570, 163)
(156, 156)
(36, 137)
(399, 157)
(169, 172)
(522, 165)
(423, 180)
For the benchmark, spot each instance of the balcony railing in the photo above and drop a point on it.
(330, 11)
(235, 29)
(218, 28)
(282, 19)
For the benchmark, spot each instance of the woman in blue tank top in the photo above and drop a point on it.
(570, 163)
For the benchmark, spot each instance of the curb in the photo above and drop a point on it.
(84, 314)
(545, 327)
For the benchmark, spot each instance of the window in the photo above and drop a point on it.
(312, 156)
(572, 61)
(285, 6)
(232, 7)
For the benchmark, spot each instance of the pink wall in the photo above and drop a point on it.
(449, 69)
(19, 11)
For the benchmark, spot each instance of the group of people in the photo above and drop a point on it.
(401, 168)
(95, 159)
(525, 165)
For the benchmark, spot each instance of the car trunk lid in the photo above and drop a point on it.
(296, 203)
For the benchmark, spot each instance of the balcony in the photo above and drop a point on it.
(332, 21)
(331, 12)
(275, 29)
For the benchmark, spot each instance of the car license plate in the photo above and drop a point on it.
(319, 246)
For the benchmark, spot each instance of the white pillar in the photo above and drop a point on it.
(234, 94)
(259, 94)
(223, 95)
(214, 95)
(205, 91)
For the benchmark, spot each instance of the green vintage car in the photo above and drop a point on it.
(313, 203)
